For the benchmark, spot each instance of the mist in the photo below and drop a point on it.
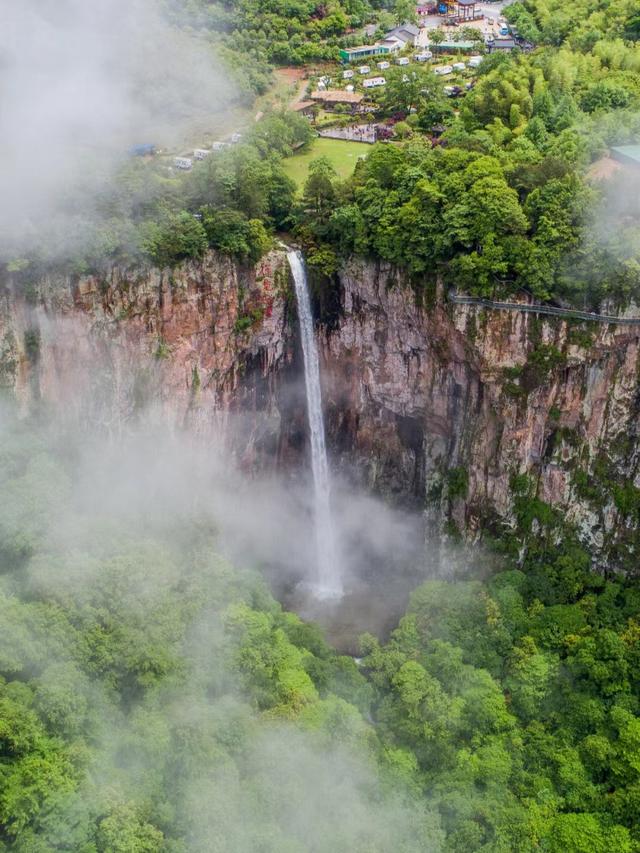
(611, 239)
(80, 83)
(262, 521)
(151, 544)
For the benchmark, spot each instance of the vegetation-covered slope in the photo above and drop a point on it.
(503, 202)
(154, 698)
(286, 32)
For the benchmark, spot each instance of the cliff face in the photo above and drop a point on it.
(454, 402)
(440, 405)
(201, 348)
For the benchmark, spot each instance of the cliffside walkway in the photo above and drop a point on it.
(566, 313)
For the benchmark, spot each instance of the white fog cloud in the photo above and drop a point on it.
(80, 82)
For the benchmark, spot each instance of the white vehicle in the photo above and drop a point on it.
(349, 88)
(201, 153)
(474, 61)
(443, 70)
(374, 82)
(347, 75)
(364, 69)
(185, 163)
(235, 138)
(219, 146)
(403, 60)
(425, 56)
(459, 66)
(383, 65)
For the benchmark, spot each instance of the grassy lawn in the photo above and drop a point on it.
(343, 156)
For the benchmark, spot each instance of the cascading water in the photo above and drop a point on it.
(329, 580)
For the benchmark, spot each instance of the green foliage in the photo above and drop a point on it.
(505, 205)
(457, 483)
(179, 238)
(514, 711)
(154, 697)
(283, 32)
(32, 344)
(160, 218)
(231, 233)
(143, 676)
(319, 197)
(541, 362)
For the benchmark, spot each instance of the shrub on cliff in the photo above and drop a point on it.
(233, 234)
(179, 237)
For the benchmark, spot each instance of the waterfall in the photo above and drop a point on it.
(328, 581)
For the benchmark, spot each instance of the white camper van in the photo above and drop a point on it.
(185, 163)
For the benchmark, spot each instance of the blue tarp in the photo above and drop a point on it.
(142, 150)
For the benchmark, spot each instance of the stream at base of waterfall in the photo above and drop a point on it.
(328, 582)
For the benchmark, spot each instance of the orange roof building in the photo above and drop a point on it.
(338, 96)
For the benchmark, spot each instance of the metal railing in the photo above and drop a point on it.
(567, 313)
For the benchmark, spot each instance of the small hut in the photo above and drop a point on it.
(332, 97)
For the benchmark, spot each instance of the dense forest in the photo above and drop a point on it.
(156, 698)
(287, 31)
(505, 201)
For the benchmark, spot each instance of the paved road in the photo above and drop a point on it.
(566, 313)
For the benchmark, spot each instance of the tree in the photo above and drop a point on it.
(530, 678)
(405, 12)
(319, 195)
(605, 95)
(178, 238)
(489, 208)
(402, 130)
(232, 233)
(586, 833)
(409, 89)
(125, 831)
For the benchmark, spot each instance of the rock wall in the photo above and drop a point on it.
(435, 405)
(452, 402)
(201, 348)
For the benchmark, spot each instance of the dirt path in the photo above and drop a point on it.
(289, 77)
(299, 96)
